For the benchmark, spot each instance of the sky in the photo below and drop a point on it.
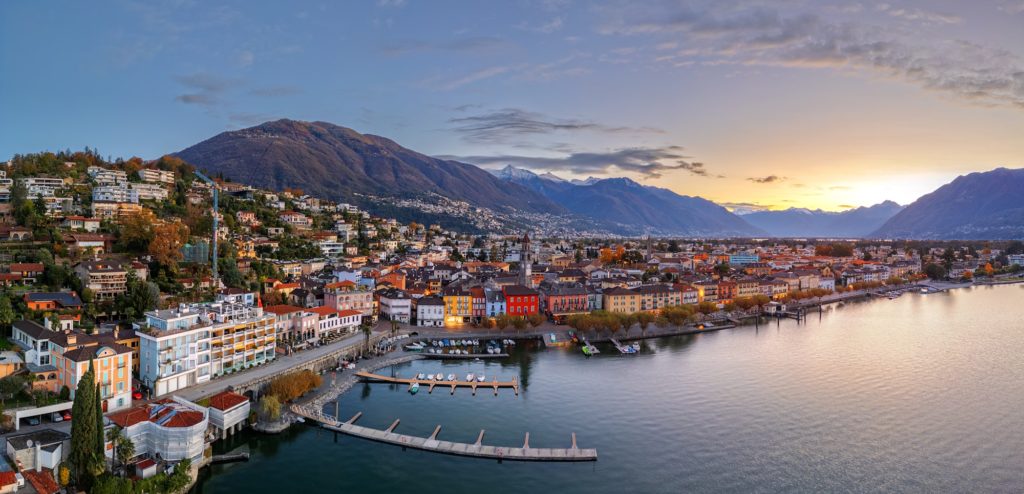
(750, 103)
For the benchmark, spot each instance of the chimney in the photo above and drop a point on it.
(72, 339)
(47, 324)
(117, 332)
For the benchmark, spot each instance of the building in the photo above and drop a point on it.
(561, 301)
(29, 271)
(114, 193)
(106, 279)
(458, 303)
(396, 305)
(159, 176)
(296, 219)
(81, 223)
(332, 322)
(171, 430)
(44, 448)
(1015, 259)
(430, 311)
(495, 302)
(293, 325)
(228, 413)
(73, 352)
(653, 298)
(347, 295)
(521, 300)
(148, 192)
(742, 259)
(526, 262)
(621, 300)
(192, 344)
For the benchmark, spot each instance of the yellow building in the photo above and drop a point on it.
(113, 367)
(458, 304)
(621, 300)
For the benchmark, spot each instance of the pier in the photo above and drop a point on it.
(622, 348)
(471, 356)
(435, 445)
(431, 383)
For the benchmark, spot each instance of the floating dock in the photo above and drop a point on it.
(625, 349)
(471, 356)
(433, 444)
(431, 384)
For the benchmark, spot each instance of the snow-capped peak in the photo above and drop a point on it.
(588, 181)
(512, 173)
(552, 177)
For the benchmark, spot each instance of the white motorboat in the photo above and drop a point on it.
(421, 376)
(439, 377)
(470, 377)
(451, 377)
(480, 378)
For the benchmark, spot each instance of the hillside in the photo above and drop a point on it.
(338, 163)
(982, 205)
(635, 208)
(800, 222)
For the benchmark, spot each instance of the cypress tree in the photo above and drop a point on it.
(83, 427)
(100, 439)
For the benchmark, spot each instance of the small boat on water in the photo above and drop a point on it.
(421, 376)
(586, 350)
(414, 388)
(470, 377)
(299, 420)
(439, 377)
(635, 347)
(480, 378)
(451, 377)
(415, 347)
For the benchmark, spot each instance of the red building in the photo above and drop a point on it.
(521, 301)
(562, 301)
(479, 302)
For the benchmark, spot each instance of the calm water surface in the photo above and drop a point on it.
(920, 394)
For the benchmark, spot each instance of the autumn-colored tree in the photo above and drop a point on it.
(168, 239)
(137, 230)
(535, 319)
(988, 269)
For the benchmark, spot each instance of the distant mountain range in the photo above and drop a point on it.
(337, 163)
(632, 207)
(983, 205)
(799, 222)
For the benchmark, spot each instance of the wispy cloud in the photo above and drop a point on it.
(744, 207)
(478, 75)
(511, 125)
(724, 33)
(203, 88)
(645, 162)
(918, 15)
(547, 27)
(770, 179)
(274, 91)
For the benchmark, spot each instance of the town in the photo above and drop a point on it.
(139, 297)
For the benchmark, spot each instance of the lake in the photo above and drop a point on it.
(923, 393)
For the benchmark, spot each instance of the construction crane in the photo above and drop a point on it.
(213, 185)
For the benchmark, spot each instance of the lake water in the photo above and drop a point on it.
(924, 393)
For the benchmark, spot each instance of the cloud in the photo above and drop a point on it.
(511, 125)
(203, 88)
(547, 27)
(742, 208)
(722, 33)
(274, 91)
(478, 75)
(847, 206)
(648, 162)
(770, 179)
(464, 45)
(918, 15)
(838, 187)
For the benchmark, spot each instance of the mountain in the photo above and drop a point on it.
(634, 208)
(337, 163)
(800, 222)
(983, 205)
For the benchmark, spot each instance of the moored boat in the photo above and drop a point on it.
(414, 388)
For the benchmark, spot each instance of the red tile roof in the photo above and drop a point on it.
(155, 412)
(349, 312)
(323, 310)
(7, 478)
(282, 309)
(42, 481)
(227, 400)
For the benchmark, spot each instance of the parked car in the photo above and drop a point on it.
(32, 420)
(56, 417)
(136, 394)
(67, 415)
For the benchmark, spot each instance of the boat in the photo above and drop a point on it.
(586, 350)
(414, 388)
(470, 377)
(299, 420)
(439, 377)
(635, 347)
(480, 378)
(421, 376)
(415, 347)
(451, 377)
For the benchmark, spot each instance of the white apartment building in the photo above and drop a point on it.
(159, 176)
(114, 193)
(144, 192)
(192, 344)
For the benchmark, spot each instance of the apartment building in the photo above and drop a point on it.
(106, 279)
(192, 344)
(157, 176)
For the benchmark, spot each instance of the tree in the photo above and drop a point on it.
(168, 239)
(229, 272)
(270, 407)
(935, 271)
(64, 475)
(367, 331)
(988, 269)
(502, 321)
(83, 429)
(137, 231)
(6, 312)
(644, 319)
(535, 319)
(100, 437)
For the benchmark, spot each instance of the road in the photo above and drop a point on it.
(280, 365)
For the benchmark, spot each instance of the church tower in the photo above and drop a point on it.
(526, 262)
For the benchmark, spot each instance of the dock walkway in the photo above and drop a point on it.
(431, 383)
(433, 444)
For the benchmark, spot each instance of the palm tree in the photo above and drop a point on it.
(125, 452)
(114, 437)
(367, 331)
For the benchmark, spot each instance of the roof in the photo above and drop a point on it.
(8, 478)
(227, 400)
(27, 266)
(348, 312)
(65, 299)
(430, 300)
(86, 353)
(323, 310)
(34, 329)
(282, 309)
(164, 413)
(42, 437)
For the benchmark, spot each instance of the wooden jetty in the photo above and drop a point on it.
(433, 444)
(622, 348)
(471, 356)
(431, 384)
